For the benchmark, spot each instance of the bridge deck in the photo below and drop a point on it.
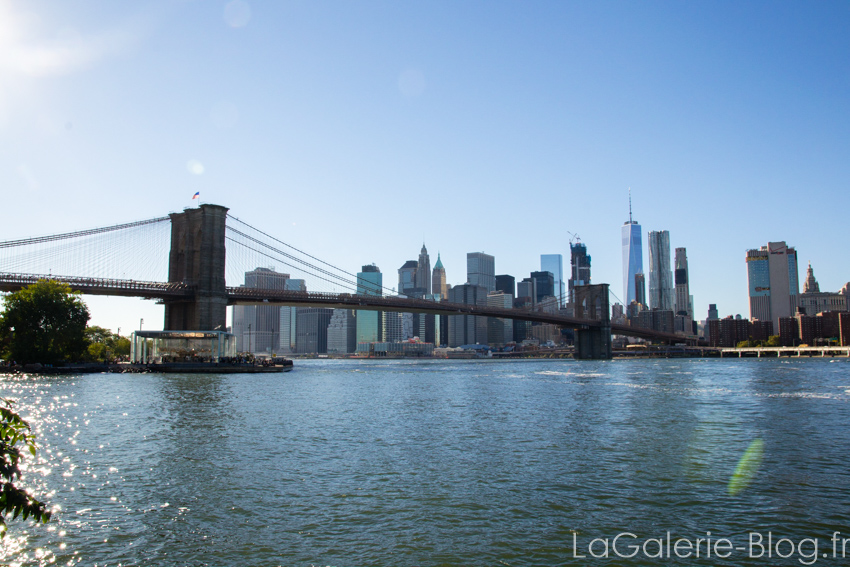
(251, 296)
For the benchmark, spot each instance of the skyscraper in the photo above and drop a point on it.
(580, 264)
(660, 275)
(289, 318)
(407, 277)
(814, 301)
(632, 255)
(342, 334)
(554, 263)
(467, 329)
(423, 271)
(438, 280)
(481, 270)
(527, 288)
(312, 329)
(683, 293)
(811, 284)
(369, 324)
(545, 285)
(500, 331)
(773, 282)
(506, 284)
(257, 327)
(640, 289)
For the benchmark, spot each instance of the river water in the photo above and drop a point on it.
(385, 463)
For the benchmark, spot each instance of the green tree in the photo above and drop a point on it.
(104, 345)
(44, 322)
(774, 341)
(15, 433)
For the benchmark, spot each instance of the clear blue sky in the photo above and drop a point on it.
(356, 129)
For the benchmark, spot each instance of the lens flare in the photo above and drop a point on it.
(747, 467)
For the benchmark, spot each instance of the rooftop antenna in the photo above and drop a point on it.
(630, 205)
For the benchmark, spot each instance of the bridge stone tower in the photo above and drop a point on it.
(197, 258)
(593, 343)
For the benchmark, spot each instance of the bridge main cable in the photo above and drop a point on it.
(89, 232)
(357, 278)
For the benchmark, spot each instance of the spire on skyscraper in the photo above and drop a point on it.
(811, 284)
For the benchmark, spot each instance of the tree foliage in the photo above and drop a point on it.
(104, 345)
(44, 322)
(15, 433)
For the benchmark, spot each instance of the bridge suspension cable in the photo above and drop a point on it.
(79, 233)
(131, 251)
(314, 267)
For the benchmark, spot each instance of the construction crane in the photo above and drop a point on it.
(574, 236)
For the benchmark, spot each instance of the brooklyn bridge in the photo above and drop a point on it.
(186, 261)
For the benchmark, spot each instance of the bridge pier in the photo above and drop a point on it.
(593, 343)
(197, 259)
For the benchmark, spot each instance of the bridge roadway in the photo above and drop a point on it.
(251, 296)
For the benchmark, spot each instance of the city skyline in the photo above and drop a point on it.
(541, 119)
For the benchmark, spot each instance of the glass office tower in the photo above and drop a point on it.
(632, 258)
(554, 263)
(368, 323)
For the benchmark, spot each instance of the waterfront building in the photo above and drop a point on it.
(312, 330)
(545, 285)
(836, 326)
(506, 284)
(423, 271)
(729, 331)
(257, 327)
(288, 318)
(481, 270)
(468, 329)
(580, 268)
(632, 255)
(369, 324)
(761, 330)
(773, 282)
(396, 350)
(554, 264)
(660, 274)
(499, 331)
(342, 331)
(438, 280)
(813, 301)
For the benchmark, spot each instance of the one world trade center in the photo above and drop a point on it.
(632, 256)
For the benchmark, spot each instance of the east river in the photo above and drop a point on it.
(419, 463)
